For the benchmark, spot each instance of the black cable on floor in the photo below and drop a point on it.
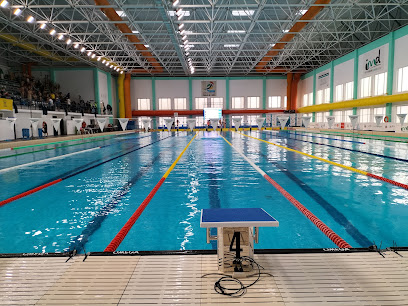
(219, 285)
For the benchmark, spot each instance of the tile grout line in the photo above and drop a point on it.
(124, 289)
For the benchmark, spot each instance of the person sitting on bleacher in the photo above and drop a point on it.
(44, 128)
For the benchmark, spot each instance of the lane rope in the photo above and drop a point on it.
(340, 242)
(336, 139)
(352, 150)
(117, 240)
(405, 186)
(71, 174)
(47, 160)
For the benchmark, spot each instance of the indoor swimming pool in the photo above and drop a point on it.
(94, 187)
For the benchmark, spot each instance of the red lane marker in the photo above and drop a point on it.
(405, 186)
(340, 242)
(26, 193)
(113, 245)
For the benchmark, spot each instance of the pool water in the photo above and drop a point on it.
(103, 187)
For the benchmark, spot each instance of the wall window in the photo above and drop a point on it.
(319, 97)
(319, 117)
(237, 102)
(380, 84)
(180, 103)
(253, 102)
(274, 102)
(217, 102)
(348, 91)
(285, 102)
(251, 119)
(182, 121)
(402, 79)
(365, 87)
(143, 104)
(339, 93)
(379, 111)
(308, 99)
(402, 109)
(338, 115)
(164, 103)
(344, 92)
(365, 115)
(200, 103)
(346, 115)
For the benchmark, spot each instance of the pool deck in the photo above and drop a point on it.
(298, 279)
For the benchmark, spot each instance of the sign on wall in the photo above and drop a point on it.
(323, 80)
(208, 88)
(374, 61)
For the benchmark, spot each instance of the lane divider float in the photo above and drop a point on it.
(344, 140)
(352, 150)
(71, 174)
(47, 160)
(117, 240)
(340, 242)
(405, 186)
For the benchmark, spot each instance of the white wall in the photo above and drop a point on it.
(140, 89)
(305, 87)
(343, 73)
(246, 88)
(172, 89)
(76, 82)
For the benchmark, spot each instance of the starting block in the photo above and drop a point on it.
(237, 229)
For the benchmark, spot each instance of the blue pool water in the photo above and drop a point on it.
(103, 188)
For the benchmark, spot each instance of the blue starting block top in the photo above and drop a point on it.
(236, 217)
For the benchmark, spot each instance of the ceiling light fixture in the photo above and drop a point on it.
(30, 19)
(42, 26)
(176, 2)
(17, 12)
(301, 12)
(93, 55)
(107, 63)
(242, 12)
(184, 37)
(103, 61)
(4, 3)
(121, 72)
(61, 36)
(147, 46)
(52, 32)
(236, 31)
(98, 59)
(181, 25)
(76, 45)
(231, 45)
(83, 49)
(69, 41)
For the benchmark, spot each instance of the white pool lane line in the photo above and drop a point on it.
(47, 160)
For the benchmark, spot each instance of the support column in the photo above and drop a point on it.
(314, 94)
(128, 101)
(154, 101)
(227, 99)
(294, 92)
(121, 95)
(390, 74)
(109, 77)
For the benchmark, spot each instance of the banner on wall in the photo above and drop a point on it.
(6, 104)
(208, 88)
(374, 61)
(323, 80)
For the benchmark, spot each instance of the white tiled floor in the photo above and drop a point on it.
(298, 279)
